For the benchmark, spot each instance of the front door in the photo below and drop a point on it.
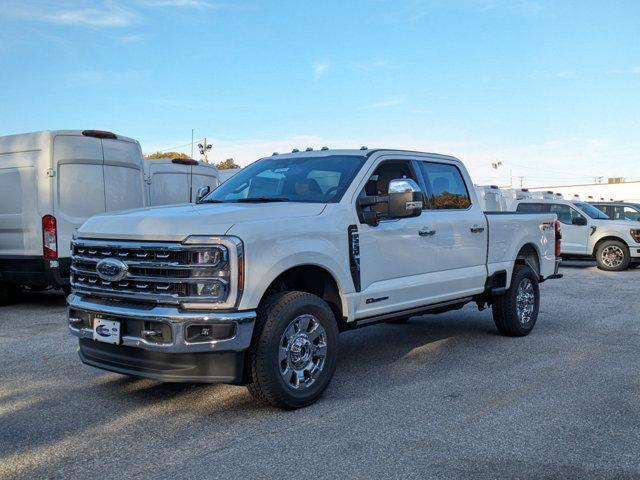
(396, 255)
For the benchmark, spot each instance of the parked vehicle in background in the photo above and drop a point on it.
(491, 198)
(588, 232)
(253, 284)
(50, 183)
(619, 210)
(513, 195)
(227, 173)
(178, 180)
(548, 195)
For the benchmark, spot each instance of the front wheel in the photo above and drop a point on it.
(613, 256)
(294, 350)
(516, 311)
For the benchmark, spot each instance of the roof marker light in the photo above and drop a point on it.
(295, 150)
(363, 148)
(274, 154)
(324, 149)
(308, 149)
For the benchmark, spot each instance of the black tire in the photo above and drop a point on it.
(618, 262)
(276, 314)
(66, 290)
(505, 307)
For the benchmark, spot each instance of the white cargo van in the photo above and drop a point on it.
(491, 198)
(178, 180)
(50, 183)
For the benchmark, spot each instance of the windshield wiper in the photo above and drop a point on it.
(262, 199)
(210, 201)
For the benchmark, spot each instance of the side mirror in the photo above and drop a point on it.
(581, 221)
(405, 198)
(202, 192)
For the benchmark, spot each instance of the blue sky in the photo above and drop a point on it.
(549, 88)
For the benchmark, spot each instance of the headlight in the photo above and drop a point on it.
(635, 234)
(216, 272)
(213, 257)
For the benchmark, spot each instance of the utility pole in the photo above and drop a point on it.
(205, 147)
(192, 143)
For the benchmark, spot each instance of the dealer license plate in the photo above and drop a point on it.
(107, 331)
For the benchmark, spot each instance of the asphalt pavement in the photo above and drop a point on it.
(441, 397)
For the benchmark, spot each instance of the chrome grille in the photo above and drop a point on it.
(156, 272)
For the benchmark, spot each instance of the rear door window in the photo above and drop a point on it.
(565, 213)
(446, 186)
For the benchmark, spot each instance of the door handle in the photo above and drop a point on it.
(477, 229)
(426, 232)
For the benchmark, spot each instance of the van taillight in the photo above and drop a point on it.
(558, 238)
(99, 134)
(49, 237)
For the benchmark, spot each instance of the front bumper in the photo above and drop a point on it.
(172, 353)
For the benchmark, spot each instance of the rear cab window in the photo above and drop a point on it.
(445, 185)
(532, 208)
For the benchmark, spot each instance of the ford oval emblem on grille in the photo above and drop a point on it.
(111, 269)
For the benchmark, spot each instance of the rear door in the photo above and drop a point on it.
(574, 237)
(123, 175)
(461, 229)
(170, 183)
(79, 184)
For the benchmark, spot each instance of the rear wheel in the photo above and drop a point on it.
(516, 311)
(294, 350)
(613, 256)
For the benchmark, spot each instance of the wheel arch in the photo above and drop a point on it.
(310, 278)
(605, 239)
(529, 255)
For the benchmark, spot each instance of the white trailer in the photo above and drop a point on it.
(50, 183)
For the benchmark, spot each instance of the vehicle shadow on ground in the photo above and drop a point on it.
(384, 354)
(46, 298)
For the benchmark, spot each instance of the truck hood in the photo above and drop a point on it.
(616, 224)
(176, 222)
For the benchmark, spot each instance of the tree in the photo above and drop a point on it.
(227, 164)
(166, 155)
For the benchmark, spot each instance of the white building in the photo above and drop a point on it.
(615, 189)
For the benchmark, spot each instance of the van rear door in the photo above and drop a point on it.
(123, 175)
(169, 183)
(79, 181)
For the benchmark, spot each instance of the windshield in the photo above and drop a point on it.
(592, 211)
(299, 179)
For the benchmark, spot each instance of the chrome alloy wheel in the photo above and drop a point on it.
(525, 301)
(612, 256)
(302, 351)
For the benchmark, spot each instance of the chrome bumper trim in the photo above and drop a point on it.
(177, 320)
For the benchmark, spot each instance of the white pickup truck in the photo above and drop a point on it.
(590, 233)
(252, 284)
